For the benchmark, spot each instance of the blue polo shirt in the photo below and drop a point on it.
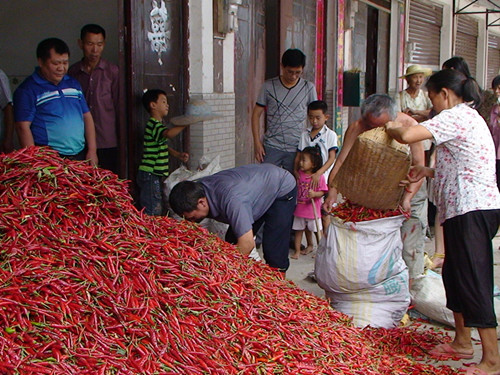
(242, 195)
(55, 112)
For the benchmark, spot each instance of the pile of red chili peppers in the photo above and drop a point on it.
(90, 285)
(351, 212)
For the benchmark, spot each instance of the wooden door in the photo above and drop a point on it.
(249, 74)
(150, 69)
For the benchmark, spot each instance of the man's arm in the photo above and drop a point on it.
(258, 147)
(417, 155)
(246, 243)
(296, 165)
(90, 138)
(351, 134)
(24, 133)
(417, 159)
(412, 135)
(329, 162)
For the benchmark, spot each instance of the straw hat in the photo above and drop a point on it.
(196, 111)
(414, 69)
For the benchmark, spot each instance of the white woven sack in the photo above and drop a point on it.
(183, 174)
(428, 297)
(361, 269)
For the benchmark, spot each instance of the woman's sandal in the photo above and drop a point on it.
(446, 350)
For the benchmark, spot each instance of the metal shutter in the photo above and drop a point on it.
(424, 33)
(493, 58)
(466, 41)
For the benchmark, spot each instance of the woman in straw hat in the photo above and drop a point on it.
(414, 101)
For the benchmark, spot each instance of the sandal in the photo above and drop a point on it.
(448, 351)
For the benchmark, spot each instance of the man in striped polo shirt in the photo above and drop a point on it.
(50, 109)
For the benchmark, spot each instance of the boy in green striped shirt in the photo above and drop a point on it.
(154, 166)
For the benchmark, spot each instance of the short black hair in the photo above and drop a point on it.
(44, 47)
(318, 104)
(315, 153)
(293, 58)
(92, 28)
(495, 82)
(151, 96)
(184, 196)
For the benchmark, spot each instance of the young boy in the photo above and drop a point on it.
(318, 134)
(154, 165)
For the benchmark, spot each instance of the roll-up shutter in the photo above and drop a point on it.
(493, 58)
(424, 33)
(466, 41)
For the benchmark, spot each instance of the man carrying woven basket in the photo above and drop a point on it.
(376, 111)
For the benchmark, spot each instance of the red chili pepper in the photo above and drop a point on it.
(90, 285)
(350, 212)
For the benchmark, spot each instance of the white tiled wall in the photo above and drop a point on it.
(215, 137)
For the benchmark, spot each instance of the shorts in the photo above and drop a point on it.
(301, 223)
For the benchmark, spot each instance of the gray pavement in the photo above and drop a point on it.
(300, 268)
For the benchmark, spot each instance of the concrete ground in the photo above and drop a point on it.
(300, 268)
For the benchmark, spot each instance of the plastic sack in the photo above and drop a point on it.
(429, 298)
(206, 168)
(361, 269)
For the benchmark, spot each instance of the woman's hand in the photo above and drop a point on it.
(417, 172)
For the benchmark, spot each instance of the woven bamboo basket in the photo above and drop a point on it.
(372, 170)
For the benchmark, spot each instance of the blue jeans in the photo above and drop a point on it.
(150, 197)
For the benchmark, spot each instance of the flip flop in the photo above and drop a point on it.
(448, 351)
(473, 370)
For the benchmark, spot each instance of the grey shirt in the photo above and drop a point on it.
(286, 112)
(242, 195)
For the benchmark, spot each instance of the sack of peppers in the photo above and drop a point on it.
(351, 212)
(90, 285)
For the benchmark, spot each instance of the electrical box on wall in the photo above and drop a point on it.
(354, 88)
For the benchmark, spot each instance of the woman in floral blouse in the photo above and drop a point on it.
(469, 205)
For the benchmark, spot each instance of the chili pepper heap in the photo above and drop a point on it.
(89, 285)
(351, 212)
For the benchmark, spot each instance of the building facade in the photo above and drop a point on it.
(221, 51)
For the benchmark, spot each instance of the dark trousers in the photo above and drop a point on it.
(468, 266)
(108, 159)
(277, 223)
(79, 157)
(498, 173)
